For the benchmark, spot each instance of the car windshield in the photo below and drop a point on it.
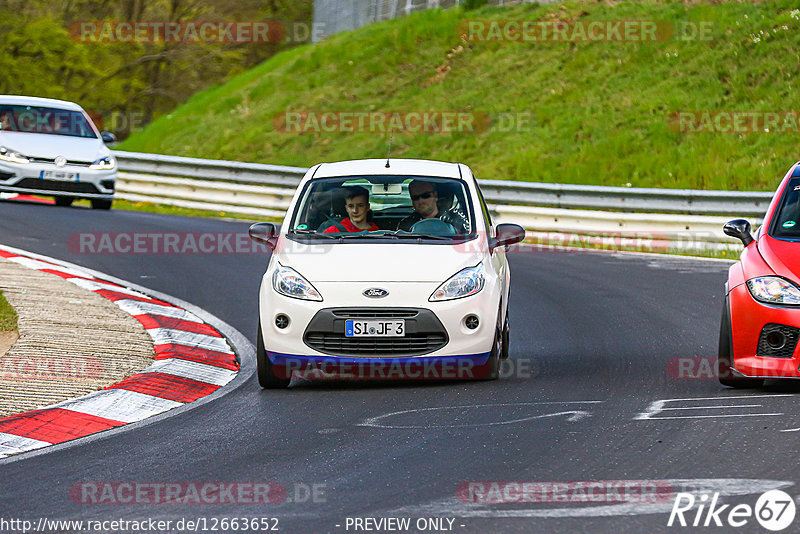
(384, 208)
(42, 120)
(786, 223)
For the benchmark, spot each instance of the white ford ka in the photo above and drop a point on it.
(384, 270)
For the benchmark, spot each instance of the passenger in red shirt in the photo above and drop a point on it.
(357, 206)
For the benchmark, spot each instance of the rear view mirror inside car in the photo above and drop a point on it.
(387, 189)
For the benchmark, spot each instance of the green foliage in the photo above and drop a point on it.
(599, 112)
(125, 84)
(473, 4)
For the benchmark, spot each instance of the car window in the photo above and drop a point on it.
(485, 210)
(392, 213)
(787, 219)
(43, 120)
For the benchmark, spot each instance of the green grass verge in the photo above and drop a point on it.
(600, 111)
(8, 317)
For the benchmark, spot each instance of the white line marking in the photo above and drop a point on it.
(39, 265)
(137, 307)
(574, 415)
(193, 370)
(165, 336)
(11, 444)
(713, 407)
(656, 407)
(119, 404)
(97, 285)
(715, 416)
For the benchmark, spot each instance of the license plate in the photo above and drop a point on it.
(60, 175)
(372, 328)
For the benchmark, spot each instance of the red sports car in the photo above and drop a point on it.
(761, 316)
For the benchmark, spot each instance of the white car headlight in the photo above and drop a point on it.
(104, 164)
(463, 284)
(774, 290)
(11, 156)
(290, 283)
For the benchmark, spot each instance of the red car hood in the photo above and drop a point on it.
(783, 257)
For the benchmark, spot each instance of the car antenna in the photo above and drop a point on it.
(391, 134)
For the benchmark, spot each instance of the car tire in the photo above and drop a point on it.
(266, 376)
(101, 204)
(506, 331)
(725, 356)
(64, 201)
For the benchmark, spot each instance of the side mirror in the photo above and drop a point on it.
(108, 137)
(263, 233)
(506, 234)
(740, 229)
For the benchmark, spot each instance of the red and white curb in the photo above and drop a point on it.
(27, 198)
(192, 361)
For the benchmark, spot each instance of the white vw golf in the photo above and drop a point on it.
(51, 147)
(385, 270)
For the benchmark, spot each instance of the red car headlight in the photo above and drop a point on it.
(774, 290)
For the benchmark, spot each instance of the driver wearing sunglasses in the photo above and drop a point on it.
(425, 199)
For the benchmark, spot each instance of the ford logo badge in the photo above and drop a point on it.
(375, 293)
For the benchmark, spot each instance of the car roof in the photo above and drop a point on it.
(410, 167)
(15, 100)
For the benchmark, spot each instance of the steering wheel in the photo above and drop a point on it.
(433, 226)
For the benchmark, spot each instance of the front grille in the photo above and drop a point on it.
(368, 313)
(69, 162)
(790, 337)
(424, 333)
(338, 344)
(6, 175)
(56, 185)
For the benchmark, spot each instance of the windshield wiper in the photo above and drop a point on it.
(414, 235)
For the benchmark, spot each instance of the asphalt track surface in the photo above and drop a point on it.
(585, 327)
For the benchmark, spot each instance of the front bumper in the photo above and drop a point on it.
(464, 367)
(749, 319)
(27, 179)
(450, 317)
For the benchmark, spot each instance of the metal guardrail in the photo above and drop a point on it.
(690, 219)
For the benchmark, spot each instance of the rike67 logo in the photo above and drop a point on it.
(774, 510)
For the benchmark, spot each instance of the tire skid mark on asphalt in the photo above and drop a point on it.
(571, 415)
(192, 360)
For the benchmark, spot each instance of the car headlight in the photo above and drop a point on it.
(774, 290)
(290, 283)
(463, 284)
(104, 164)
(11, 156)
